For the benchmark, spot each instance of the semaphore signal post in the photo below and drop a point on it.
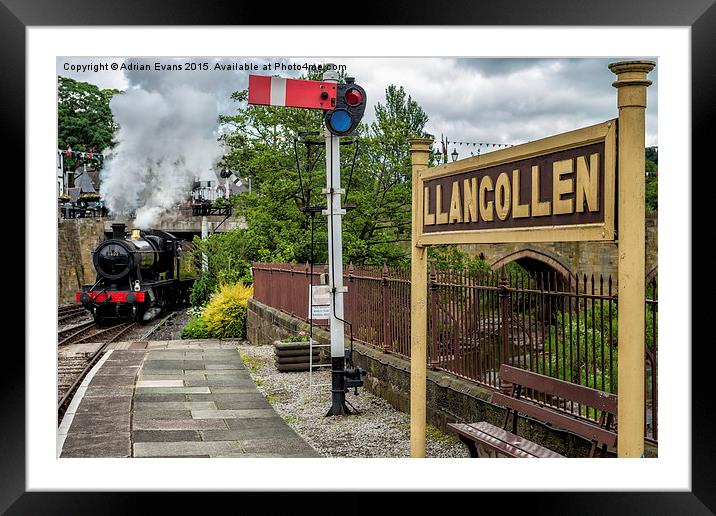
(343, 104)
(560, 188)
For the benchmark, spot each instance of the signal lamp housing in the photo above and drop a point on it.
(350, 106)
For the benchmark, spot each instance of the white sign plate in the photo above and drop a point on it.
(320, 301)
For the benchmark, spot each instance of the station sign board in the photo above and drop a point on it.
(319, 301)
(559, 188)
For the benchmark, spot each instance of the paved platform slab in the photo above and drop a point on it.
(177, 399)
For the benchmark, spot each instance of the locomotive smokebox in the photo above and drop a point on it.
(118, 230)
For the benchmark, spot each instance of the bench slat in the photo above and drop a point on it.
(556, 387)
(523, 444)
(583, 428)
(502, 441)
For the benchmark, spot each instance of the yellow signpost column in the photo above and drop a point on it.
(419, 153)
(631, 87)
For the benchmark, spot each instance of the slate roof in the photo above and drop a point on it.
(74, 193)
(84, 182)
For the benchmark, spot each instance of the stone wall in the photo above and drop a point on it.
(449, 398)
(576, 257)
(76, 239)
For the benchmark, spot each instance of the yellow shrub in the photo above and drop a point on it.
(225, 315)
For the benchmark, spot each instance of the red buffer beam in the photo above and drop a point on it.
(278, 91)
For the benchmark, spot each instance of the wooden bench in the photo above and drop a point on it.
(538, 386)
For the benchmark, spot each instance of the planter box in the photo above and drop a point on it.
(294, 356)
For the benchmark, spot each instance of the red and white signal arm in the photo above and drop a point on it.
(278, 91)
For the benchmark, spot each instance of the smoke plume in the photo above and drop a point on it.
(167, 138)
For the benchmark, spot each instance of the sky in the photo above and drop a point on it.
(500, 100)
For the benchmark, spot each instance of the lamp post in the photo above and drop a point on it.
(454, 154)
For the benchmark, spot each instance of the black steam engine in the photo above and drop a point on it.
(138, 276)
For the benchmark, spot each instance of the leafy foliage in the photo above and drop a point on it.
(376, 175)
(451, 257)
(228, 257)
(201, 290)
(301, 337)
(195, 329)
(225, 315)
(84, 118)
(586, 360)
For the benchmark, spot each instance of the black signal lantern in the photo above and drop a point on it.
(350, 106)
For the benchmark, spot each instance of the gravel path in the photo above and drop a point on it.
(378, 431)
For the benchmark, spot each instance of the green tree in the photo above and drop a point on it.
(378, 229)
(261, 145)
(84, 118)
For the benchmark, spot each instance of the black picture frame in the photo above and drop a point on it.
(16, 15)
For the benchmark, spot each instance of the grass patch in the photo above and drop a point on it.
(289, 419)
(274, 397)
(252, 363)
(433, 433)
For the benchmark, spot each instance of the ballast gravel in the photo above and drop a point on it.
(377, 431)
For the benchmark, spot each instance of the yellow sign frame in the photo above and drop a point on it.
(604, 132)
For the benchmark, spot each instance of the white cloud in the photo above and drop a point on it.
(505, 100)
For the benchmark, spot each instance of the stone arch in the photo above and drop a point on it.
(527, 255)
(537, 262)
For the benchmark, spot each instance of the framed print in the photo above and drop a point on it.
(37, 37)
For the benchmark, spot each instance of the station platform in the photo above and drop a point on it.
(174, 399)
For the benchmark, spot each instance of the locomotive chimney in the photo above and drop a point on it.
(118, 230)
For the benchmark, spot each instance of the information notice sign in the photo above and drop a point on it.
(319, 301)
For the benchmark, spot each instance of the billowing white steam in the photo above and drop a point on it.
(167, 138)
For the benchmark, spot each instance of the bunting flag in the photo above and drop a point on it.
(82, 154)
(476, 144)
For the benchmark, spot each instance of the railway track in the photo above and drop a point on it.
(65, 336)
(72, 369)
(90, 332)
(67, 313)
(166, 320)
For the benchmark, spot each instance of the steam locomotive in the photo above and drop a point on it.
(138, 276)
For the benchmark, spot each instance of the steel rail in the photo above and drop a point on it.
(102, 332)
(67, 334)
(157, 326)
(62, 404)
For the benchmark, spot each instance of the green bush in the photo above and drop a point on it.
(225, 315)
(578, 366)
(201, 290)
(195, 329)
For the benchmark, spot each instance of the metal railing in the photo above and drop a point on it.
(560, 326)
